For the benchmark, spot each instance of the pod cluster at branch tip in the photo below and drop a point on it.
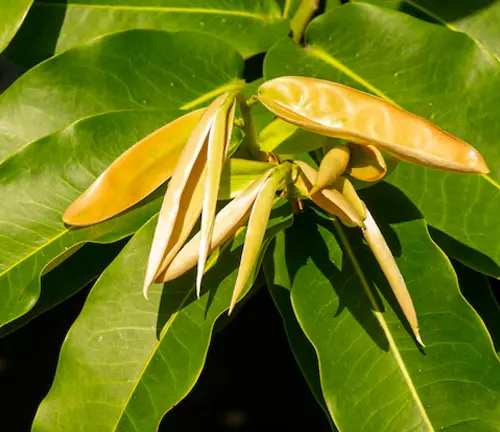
(193, 153)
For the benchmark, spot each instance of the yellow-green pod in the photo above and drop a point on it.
(366, 163)
(227, 222)
(217, 148)
(335, 110)
(333, 164)
(185, 178)
(254, 236)
(383, 254)
(134, 174)
(345, 187)
(330, 200)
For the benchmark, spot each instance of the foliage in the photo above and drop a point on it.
(104, 76)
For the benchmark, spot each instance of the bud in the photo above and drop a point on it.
(332, 166)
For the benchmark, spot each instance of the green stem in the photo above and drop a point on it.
(252, 137)
(304, 13)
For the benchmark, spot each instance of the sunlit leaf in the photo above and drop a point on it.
(418, 71)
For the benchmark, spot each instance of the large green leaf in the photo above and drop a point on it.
(13, 13)
(373, 374)
(53, 26)
(477, 291)
(436, 73)
(67, 279)
(136, 69)
(302, 349)
(126, 360)
(480, 19)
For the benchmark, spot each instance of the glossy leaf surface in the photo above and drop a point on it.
(31, 227)
(13, 13)
(373, 375)
(100, 76)
(131, 359)
(417, 70)
(67, 279)
(480, 19)
(56, 25)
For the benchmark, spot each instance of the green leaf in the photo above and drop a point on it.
(13, 13)
(302, 349)
(136, 69)
(480, 19)
(67, 279)
(54, 26)
(36, 194)
(433, 72)
(373, 375)
(132, 359)
(477, 291)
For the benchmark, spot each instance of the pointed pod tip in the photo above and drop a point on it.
(419, 338)
(231, 308)
(199, 277)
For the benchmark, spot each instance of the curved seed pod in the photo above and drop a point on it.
(182, 184)
(383, 254)
(366, 163)
(345, 187)
(330, 200)
(189, 211)
(218, 145)
(233, 216)
(338, 111)
(256, 229)
(134, 174)
(331, 167)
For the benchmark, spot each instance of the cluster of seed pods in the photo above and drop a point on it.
(194, 151)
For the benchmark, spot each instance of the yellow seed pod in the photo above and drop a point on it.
(134, 174)
(330, 200)
(338, 111)
(332, 166)
(366, 163)
(345, 187)
(384, 257)
(184, 197)
(227, 222)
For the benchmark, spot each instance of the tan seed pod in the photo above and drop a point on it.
(134, 174)
(227, 222)
(345, 187)
(383, 254)
(330, 200)
(182, 185)
(367, 163)
(218, 145)
(338, 111)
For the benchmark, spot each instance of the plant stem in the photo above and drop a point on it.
(252, 138)
(299, 22)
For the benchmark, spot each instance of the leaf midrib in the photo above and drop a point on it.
(165, 9)
(332, 61)
(383, 323)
